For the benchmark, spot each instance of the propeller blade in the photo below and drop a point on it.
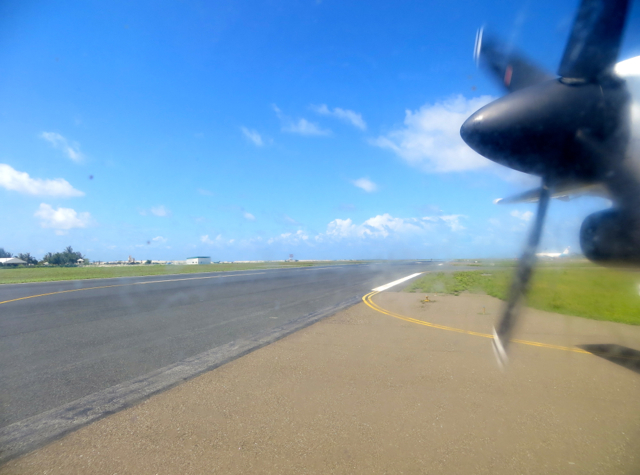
(510, 67)
(562, 190)
(502, 334)
(592, 49)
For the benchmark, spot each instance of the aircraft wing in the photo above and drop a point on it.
(562, 191)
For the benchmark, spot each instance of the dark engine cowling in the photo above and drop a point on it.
(610, 237)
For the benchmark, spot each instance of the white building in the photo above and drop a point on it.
(198, 260)
(11, 260)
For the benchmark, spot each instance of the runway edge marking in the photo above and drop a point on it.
(131, 283)
(29, 434)
(396, 282)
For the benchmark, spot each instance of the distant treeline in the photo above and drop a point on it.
(68, 257)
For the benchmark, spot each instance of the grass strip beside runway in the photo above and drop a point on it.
(591, 292)
(47, 274)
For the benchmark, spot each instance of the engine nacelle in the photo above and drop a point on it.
(612, 238)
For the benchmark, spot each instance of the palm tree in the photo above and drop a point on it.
(28, 258)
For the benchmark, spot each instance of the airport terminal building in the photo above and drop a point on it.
(198, 260)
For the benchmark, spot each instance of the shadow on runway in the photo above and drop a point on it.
(627, 357)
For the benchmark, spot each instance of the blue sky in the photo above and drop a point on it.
(252, 130)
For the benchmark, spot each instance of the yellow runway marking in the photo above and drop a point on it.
(367, 300)
(124, 285)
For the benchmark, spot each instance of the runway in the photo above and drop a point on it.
(62, 341)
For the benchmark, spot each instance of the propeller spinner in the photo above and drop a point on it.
(572, 128)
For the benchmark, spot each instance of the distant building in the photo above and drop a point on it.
(554, 254)
(198, 260)
(7, 261)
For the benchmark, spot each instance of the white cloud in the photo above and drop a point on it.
(12, 179)
(366, 184)
(385, 225)
(61, 219)
(218, 240)
(346, 115)
(453, 221)
(300, 126)
(291, 238)
(71, 149)
(253, 135)
(523, 215)
(383, 232)
(289, 220)
(204, 192)
(430, 139)
(380, 230)
(304, 127)
(383, 235)
(160, 211)
(159, 239)
(378, 226)
(248, 216)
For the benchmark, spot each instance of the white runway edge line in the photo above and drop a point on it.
(396, 282)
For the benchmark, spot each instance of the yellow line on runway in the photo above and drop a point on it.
(133, 283)
(367, 300)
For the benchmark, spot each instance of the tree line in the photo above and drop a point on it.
(68, 257)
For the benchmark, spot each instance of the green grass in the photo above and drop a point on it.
(563, 263)
(46, 274)
(584, 291)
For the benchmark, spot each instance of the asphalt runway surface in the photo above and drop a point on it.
(76, 338)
